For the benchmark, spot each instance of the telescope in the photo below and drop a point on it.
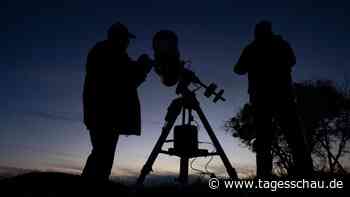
(171, 69)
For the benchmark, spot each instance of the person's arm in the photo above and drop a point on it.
(95, 60)
(91, 61)
(142, 67)
(241, 66)
(290, 56)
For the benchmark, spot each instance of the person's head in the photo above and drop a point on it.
(263, 30)
(119, 34)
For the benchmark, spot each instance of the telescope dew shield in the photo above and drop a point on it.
(167, 57)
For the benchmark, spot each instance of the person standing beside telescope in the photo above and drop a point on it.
(110, 99)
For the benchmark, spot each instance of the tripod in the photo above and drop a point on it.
(187, 102)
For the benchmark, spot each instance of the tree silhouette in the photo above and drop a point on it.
(324, 112)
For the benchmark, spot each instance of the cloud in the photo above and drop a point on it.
(123, 171)
(242, 170)
(66, 168)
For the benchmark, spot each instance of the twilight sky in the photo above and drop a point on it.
(43, 48)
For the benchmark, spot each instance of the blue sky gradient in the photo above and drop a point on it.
(43, 51)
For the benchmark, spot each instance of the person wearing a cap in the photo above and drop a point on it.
(110, 99)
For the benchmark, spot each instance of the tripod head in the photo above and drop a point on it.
(188, 77)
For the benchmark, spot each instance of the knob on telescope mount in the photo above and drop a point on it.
(211, 90)
(219, 96)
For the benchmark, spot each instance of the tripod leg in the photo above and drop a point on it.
(230, 170)
(147, 168)
(172, 114)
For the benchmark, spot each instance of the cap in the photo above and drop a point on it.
(119, 30)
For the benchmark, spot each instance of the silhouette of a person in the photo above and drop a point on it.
(268, 61)
(110, 99)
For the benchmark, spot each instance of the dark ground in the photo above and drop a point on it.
(49, 184)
